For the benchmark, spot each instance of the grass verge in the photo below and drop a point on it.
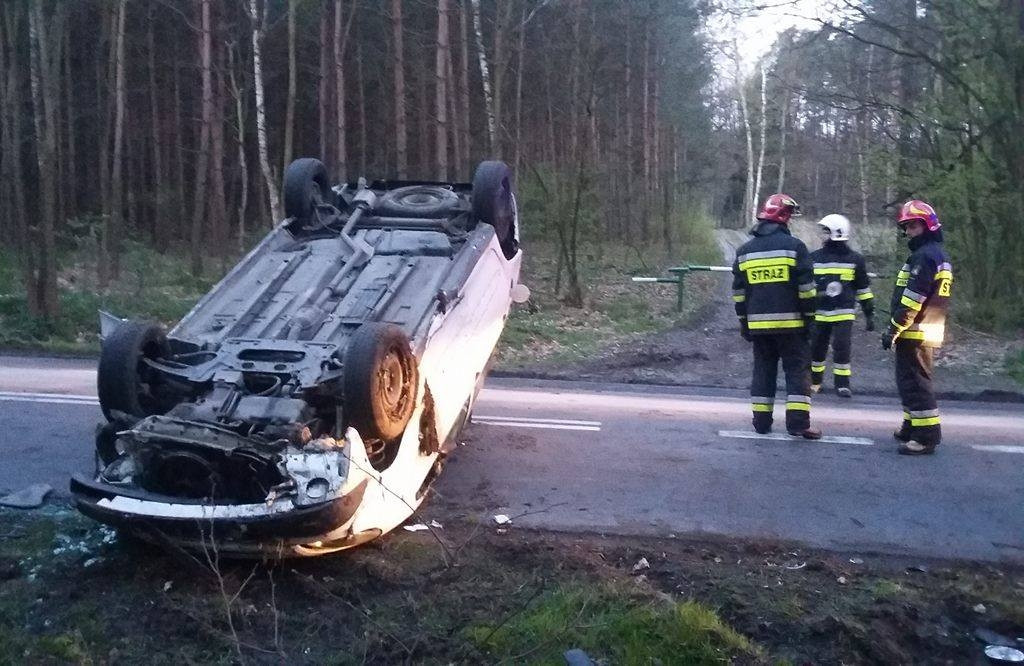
(74, 592)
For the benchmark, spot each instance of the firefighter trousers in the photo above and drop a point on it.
(839, 333)
(914, 383)
(792, 349)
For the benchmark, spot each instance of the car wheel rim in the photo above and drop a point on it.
(392, 383)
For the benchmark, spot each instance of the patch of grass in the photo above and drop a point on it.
(615, 310)
(153, 285)
(614, 625)
(888, 589)
(1015, 366)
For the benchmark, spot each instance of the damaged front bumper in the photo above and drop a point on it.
(316, 503)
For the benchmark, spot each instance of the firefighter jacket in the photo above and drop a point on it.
(922, 293)
(773, 281)
(841, 278)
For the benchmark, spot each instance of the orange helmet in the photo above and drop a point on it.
(915, 209)
(779, 208)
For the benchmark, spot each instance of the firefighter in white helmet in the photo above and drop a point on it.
(842, 281)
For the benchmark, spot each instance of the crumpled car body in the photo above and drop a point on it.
(307, 401)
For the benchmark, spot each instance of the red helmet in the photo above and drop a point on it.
(779, 208)
(915, 209)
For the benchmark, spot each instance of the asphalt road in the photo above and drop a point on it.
(649, 461)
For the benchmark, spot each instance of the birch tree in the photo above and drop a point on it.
(258, 22)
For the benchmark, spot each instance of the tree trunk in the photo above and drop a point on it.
(485, 76)
(340, 125)
(44, 50)
(574, 81)
(323, 87)
(217, 208)
(441, 60)
(361, 85)
(258, 27)
(783, 118)
(179, 147)
(243, 165)
(293, 76)
(203, 164)
(749, 211)
(116, 212)
(398, 67)
(502, 16)
(159, 186)
(464, 127)
(11, 124)
(517, 148)
(764, 129)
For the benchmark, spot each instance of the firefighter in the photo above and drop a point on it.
(842, 280)
(773, 291)
(919, 303)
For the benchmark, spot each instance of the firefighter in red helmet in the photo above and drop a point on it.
(774, 295)
(919, 304)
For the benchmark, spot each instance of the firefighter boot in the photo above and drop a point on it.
(915, 448)
(807, 433)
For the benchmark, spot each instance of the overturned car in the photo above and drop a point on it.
(305, 404)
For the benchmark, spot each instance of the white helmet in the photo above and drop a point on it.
(837, 226)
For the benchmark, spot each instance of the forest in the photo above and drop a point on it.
(134, 130)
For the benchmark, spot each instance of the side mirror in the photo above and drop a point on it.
(520, 293)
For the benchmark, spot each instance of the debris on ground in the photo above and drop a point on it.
(641, 565)
(1003, 654)
(577, 657)
(980, 609)
(502, 519)
(418, 527)
(856, 560)
(436, 525)
(31, 497)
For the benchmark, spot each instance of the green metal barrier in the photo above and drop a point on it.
(679, 278)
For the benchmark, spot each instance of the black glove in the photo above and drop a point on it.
(744, 331)
(870, 323)
(888, 338)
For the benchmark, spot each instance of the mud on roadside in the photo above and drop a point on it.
(473, 592)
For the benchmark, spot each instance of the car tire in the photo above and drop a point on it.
(495, 203)
(381, 380)
(123, 380)
(424, 201)
(305, 187)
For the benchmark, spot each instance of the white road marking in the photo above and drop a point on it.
(544, 424)
(530, 419)
(778, 436)
(49, 398)
(998, 448)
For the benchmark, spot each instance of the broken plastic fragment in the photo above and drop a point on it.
(641, 565)
(794, 566)
(980, 608)
(856, 560)
(27, 498)
(167, 586)
(418, 527)
(436, 525)
(841, 580)
(502, 519)
(1004, 654)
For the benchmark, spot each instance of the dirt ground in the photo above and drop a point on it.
(473, 592)
(710, 352)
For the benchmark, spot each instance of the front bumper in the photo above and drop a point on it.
(241, 528)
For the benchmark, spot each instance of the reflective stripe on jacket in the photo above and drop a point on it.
(923, 289)
(841, 278)
(773, 281)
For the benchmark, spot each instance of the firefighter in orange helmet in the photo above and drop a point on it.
(919, 304)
